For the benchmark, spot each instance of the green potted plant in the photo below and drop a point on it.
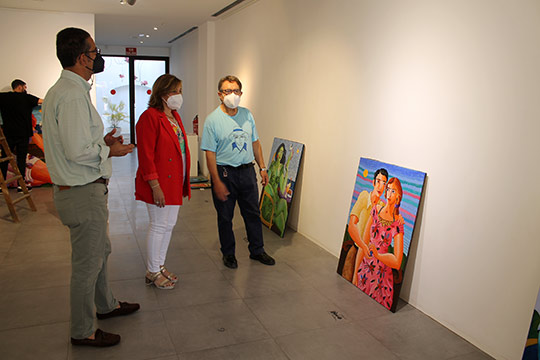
(115, 115)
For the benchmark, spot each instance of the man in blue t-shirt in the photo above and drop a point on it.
(231, 143)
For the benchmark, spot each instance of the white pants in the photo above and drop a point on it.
(162, 221)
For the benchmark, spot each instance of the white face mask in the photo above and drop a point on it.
(231, 101)
(174, 102)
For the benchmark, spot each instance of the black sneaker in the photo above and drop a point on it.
(263, 258)
(230, 261)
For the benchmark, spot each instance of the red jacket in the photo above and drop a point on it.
(160, 158)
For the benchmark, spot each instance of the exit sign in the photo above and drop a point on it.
(131, 51)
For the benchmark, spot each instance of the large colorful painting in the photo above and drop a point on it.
(277, 195)
(532, 351)
(379, 230)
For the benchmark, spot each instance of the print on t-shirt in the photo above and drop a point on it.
(239, 139)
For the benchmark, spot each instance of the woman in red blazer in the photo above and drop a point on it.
(163, 175)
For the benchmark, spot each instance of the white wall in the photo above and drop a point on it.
(446, 87)
(29, 46)
(184, 65)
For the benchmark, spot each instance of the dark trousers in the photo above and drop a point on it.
(18, 145)
(242, 185)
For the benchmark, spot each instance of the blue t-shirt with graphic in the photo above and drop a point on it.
(230, 137)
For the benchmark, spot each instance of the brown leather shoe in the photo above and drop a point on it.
(102, 339)
(124, 309)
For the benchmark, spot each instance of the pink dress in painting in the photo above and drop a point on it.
(374, 277)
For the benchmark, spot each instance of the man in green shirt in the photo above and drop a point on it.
(78, 159)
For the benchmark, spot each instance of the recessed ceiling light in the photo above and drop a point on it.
(141, 35)
(155, 28)
(142, 42)
(122, 2)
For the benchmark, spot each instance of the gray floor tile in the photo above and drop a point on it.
(353, 301)
(343, 342)
(37, 342)
(209, 326)
(34, 307)
(258, 279)
(295, 311)
(292, 247)
(185, 261)
(197, 288)
(120, 227)
(124, 244)
(317, 270)
(475, 355)
(38, 275)
(257, 350)
(413, 335)
(126, 267)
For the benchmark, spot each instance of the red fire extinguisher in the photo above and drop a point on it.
(196, 124)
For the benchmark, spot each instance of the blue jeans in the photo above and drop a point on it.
(242, 185)
(84, 210)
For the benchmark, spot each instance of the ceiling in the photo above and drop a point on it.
(117, 24)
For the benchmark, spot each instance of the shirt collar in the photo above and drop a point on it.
(67, 74)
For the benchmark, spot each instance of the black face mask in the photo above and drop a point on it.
(99, 63)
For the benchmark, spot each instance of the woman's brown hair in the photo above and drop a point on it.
(164, 85)
(397, 184)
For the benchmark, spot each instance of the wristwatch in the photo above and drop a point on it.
(263, 169)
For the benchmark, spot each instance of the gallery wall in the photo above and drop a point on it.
(185, 67)
(29, 46)
(445, 87)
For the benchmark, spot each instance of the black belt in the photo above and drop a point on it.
(97, 181)
(243, 166)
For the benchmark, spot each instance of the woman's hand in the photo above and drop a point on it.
(373, 250)
(365, 249)
(159, 197)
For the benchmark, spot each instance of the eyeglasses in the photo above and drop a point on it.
(97, 51)
(230, 91)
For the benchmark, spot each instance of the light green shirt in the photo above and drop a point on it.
(75, 151)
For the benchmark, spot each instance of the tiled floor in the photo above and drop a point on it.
(298, 309)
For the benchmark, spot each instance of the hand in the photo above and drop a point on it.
(365, 249)
(119, 149)
(159, 197)
(374, 251)
(220, 190)
(111, 139)
(264, 177)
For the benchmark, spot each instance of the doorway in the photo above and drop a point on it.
(124, 88)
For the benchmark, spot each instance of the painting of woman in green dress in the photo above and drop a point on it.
(277, 194)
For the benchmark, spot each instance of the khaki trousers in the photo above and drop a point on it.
(84, 210)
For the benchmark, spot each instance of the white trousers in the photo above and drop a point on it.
(162, 221)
